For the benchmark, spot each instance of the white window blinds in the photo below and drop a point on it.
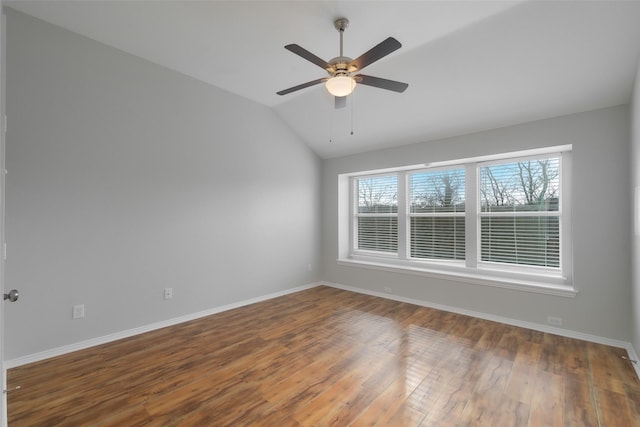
(377, 214)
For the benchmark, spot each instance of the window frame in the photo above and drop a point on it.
(549, 280)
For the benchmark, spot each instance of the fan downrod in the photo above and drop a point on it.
(339, 65)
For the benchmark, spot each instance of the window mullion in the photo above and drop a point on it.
(353, 238)
(472, 216)
(403, 216)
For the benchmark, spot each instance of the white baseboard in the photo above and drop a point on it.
(633, 357)
(514, 322)
(59, 351)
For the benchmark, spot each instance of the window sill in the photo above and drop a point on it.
(481, 277)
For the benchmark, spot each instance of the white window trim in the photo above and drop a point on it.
(531, 279)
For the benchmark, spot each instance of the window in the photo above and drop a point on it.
(520, 215)
(436, 214)
(499, 220)
(377, 214)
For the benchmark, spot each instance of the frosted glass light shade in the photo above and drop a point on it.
(340, 85)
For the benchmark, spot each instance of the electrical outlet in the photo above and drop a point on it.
(78, 311)
(555, 321)
(168, 293)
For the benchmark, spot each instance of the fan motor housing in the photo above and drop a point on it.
(341, 65)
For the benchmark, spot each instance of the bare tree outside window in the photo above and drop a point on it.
(494, 192)
(539, 181)
(527, 185)
(438, 191)
(379, 194)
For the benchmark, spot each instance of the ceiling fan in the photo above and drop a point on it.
(341, 69)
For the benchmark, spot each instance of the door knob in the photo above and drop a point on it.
(12, 295)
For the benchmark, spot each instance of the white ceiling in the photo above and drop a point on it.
(470, 65)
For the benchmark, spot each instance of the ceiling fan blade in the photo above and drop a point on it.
(304, 53)
(381, 83)
(377, 52)
(302, 86)
(341, 102)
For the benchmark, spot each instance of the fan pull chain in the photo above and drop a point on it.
(351, 114)
(331, 114)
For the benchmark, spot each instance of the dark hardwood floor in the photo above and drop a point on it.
(327, 357)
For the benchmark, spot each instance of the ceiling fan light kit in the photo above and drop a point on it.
(340, 85)
(342, 82)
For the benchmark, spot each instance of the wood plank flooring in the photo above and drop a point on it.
(327, 357)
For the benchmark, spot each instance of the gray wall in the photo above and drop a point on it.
(601, 214)
(635, 221)
(126, 178)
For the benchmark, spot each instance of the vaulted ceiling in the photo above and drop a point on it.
(470, 65)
